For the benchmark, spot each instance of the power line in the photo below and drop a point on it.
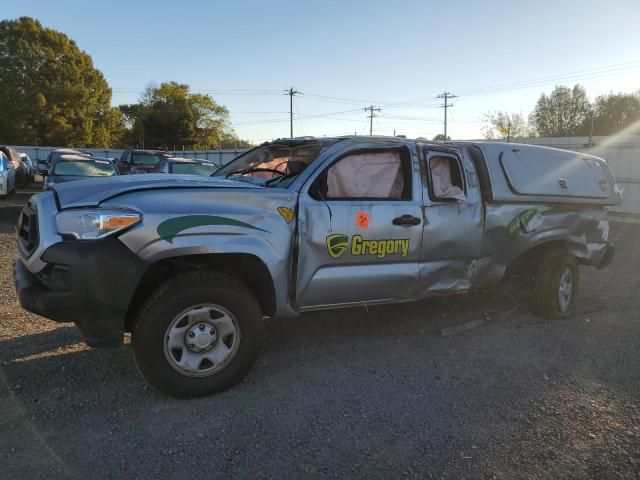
(305, 117)
(446, 105)
(298, 117)
(596, 72)
(371, 116)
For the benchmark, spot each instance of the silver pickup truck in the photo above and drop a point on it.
(192, 265)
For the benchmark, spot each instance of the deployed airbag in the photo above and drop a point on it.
(366, 175)
(443, 187)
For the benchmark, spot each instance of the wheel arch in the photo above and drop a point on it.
(523, 263)
(250, 270)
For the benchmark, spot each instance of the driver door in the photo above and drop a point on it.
(360, 229)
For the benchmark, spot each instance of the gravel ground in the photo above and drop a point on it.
(348, 394)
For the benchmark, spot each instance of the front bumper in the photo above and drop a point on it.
(89, 283)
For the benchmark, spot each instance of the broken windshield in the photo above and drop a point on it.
(273, 165)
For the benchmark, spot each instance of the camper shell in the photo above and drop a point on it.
(191, 265)
(528, 173)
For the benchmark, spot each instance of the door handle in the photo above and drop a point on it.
(407, 220)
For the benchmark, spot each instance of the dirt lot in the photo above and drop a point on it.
(350, 394)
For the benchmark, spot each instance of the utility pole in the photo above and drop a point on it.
(509, 131)
(371, 116)
(291, 92)
(446, 105)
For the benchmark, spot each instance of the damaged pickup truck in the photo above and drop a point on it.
(192, 265)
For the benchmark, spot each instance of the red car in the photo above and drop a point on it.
(140, 161)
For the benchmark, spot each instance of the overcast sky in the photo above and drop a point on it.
(345, 55)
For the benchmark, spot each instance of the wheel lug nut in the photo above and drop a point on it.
(191, 334)
(201, 326)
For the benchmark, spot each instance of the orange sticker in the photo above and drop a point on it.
(362, 219)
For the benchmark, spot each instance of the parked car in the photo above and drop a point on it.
(7, 176)
(140, 161)
(185, 166)
(56, 154)
(31, 168)
(192, 265)
(76, 167)
(21, 170)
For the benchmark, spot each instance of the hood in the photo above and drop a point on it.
(91, 192)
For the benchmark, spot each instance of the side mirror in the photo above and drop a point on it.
(43, 171)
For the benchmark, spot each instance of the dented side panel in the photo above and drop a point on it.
(452, 258)
(514, 229)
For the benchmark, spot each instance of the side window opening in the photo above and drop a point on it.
(446, 178)
(371, 175)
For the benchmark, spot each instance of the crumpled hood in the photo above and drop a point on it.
(91, 192)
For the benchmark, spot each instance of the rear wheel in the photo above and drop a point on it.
(555, 284)
(198, 334)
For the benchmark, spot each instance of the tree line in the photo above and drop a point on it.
(52, 94)
(567, 112)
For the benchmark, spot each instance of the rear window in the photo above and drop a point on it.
(84, 168)
(193, 168)
(146, 158)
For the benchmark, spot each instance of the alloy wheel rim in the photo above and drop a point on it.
(565, 290)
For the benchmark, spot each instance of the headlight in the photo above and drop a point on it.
(92, 224)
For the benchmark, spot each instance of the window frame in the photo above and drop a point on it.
(406, 160)
(426, 154)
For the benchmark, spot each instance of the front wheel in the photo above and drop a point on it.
(198, 334)
(556, 285)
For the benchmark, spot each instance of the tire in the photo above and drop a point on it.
(556, 269)
(172, 317)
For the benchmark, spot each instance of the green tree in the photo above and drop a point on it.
(232, 141)
(170, 116)
(501, 124)
(441, 138)
(50, 92)
(563, 113)
(109, 129)
(614, 112)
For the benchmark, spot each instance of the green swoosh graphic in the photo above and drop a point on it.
(169, 229)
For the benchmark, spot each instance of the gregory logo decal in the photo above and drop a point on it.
(338, 243)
